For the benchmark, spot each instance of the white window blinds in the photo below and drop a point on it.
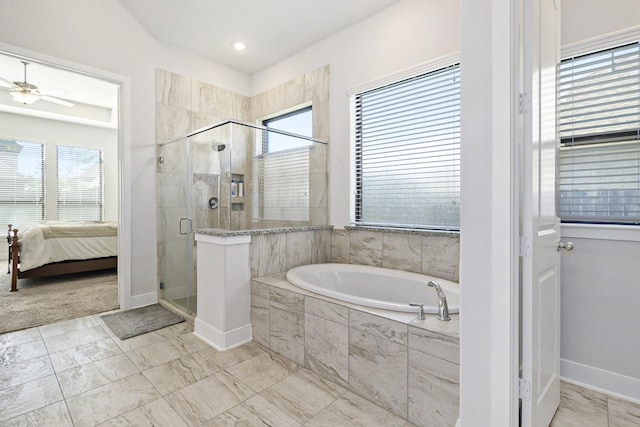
(21, 182)
(407, 153)
(599, 125)
(80, 182)
(281, 169)
(283, 185)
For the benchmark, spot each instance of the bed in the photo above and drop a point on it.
(52, 248)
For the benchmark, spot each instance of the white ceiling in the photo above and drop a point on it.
(272, 29)
(95, 100)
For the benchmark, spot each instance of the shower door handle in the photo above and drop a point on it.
(184, 218)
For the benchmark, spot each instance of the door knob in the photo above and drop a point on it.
(567, 247)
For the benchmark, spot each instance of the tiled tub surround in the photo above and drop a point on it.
(405, 365)
(276, 250)
(280, 249)
(426, 252)
(228, 259)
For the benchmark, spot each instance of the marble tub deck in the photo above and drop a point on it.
(76, 373)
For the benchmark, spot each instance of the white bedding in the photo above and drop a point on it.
(52, 241)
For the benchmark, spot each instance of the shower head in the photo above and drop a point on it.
(217, 146)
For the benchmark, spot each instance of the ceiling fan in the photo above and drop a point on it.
(27, 93)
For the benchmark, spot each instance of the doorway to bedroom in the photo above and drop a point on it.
(59, 187)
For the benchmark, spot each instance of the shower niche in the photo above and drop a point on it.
(225, 176)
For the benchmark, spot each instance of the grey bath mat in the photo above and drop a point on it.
(130, 323)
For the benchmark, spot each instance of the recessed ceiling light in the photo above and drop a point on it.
(239, 46)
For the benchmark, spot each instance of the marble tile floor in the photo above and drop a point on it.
(77, 373)
(581, 407)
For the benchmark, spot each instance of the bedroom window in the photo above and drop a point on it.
(599, 125)
(407, 152)
(21, 182)
(80, 184)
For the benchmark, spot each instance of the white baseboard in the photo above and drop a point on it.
(608, 382)
(221, 340)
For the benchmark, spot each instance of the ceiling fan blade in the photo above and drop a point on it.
(5, 82)
(56, 100)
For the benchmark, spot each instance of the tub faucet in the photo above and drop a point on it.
(420, 310)
(443, 307)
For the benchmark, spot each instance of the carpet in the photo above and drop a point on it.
(44, 300)
(130, 323)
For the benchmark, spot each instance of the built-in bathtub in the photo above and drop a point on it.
(374, 286)
(406, 365)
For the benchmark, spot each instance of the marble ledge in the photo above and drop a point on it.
(449, 328)
(231, 233)
(440, 233)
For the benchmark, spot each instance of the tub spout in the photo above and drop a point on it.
(443, 307)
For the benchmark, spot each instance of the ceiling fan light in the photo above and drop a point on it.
(24, 97)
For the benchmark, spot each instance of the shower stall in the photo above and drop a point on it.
(232, 176)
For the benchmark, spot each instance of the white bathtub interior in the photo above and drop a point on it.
(374, 286)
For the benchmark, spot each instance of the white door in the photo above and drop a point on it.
(540, 225)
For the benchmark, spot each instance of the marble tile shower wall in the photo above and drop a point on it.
(435, 254)
(182, 105)
(404, 368)
(310, 88)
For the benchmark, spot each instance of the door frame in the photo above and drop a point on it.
(489, 251)
(124, 157)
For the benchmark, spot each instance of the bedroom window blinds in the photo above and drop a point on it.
(21, 182)
(80, 184)
(599, 125)
(407, 152)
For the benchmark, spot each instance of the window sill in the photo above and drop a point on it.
(626, 233)
(418, 231)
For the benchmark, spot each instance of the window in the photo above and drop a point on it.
(299, 122)
(599, 126)
(407, 153)
(21, 182)
(79, 189)
(281, 166)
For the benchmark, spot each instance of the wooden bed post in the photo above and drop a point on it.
(14, 261)
(9, 248)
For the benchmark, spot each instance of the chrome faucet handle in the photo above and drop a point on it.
(420, 309)
(443, 307)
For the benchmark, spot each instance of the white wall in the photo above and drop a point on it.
(54, 132)
(406, 34)
(101, 35)
(585, 19)
(600, 285)
(600, 317)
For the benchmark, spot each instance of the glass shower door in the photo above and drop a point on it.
(176, 253)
